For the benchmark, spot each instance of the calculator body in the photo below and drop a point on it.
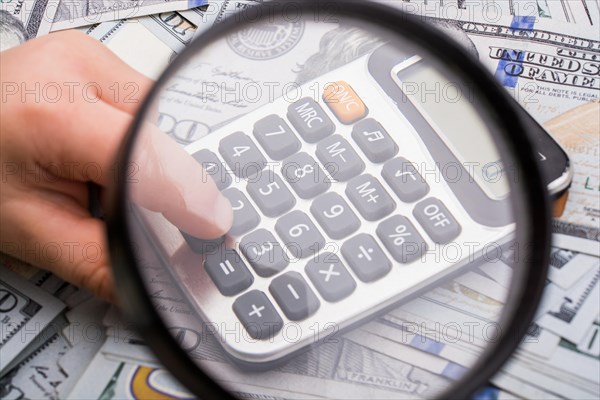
(424, 234)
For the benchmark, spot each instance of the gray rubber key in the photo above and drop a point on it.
(404, 179)
(437, 221)
(293, 295)
(369, 197)
(228, 271)
(213, 167)
(339, 158)
(330, 277)
(264, 253)
(276, 137)
(258, 315)
(299, 234)
(374, 140)
(366, 258)
(271, 194)
(305, 175)
(242, 155)
(402, 239)
(245, 217)
(334, 215)
(309, 119)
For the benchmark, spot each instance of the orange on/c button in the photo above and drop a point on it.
(344, 102)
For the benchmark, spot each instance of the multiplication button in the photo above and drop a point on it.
(366, 258)
(257, 314)
(294, 296)
(401, 239)
(437, 221)
(330, 277)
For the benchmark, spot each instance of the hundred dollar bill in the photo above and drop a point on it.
(578, 131)
(21, 20)
(571, 317)
(75, 13)
(26, 312)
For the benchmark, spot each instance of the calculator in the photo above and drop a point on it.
(345, 202)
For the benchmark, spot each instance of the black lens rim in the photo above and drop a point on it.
(140, 310)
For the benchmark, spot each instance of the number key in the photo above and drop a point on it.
(276, 137)
(242, 155)
(264, 252)
(299, 234)
(245, 217)
(213, 167)
(334, 215)
(305, 176)
(271, 194)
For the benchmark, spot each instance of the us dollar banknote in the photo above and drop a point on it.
(72, 14)
(21, 20)
(26, 314)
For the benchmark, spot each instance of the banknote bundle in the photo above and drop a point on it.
(60, 342)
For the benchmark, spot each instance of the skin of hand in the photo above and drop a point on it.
(67, 102)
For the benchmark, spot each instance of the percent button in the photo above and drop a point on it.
(401, 239)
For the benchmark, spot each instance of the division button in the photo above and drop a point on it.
(366, 258)
(294, 296)
(437, 221)
(228, 271)
(330, 277)
(257, 314)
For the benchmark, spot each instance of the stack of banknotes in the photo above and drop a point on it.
(58, 341)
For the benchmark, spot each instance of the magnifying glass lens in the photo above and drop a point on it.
(368, 185)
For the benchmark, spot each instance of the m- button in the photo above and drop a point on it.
(344, 102)
(437, 221)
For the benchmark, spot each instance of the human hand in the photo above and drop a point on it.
(67, 102)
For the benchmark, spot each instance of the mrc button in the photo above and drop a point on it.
(437, 221)
(310, 120)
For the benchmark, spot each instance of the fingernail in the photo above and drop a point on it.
(223, 213)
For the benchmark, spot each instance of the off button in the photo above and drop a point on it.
(437, 221)
(344, 102)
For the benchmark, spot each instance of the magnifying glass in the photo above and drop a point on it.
(390, 229)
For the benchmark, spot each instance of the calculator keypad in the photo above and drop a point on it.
(295, 277)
